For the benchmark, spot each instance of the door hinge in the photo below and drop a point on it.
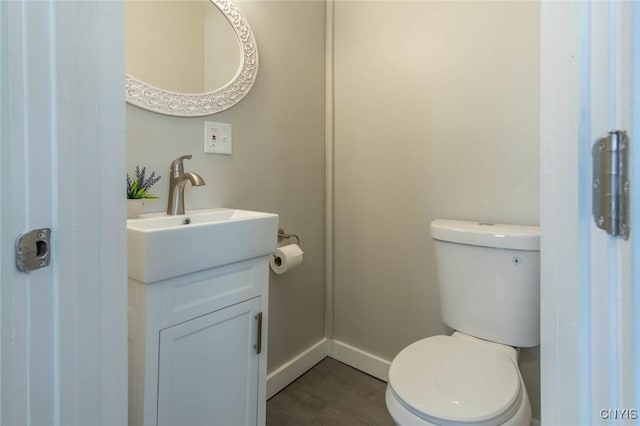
(258, 345)
(611, 183)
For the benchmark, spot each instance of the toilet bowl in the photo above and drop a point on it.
(457, 380)
(488, 275)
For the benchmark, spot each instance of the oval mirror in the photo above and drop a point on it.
(188, 58)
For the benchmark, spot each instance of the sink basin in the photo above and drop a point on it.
(162, 246)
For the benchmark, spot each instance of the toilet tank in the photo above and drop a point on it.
(489, 280)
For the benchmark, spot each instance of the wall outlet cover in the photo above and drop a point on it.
(217, 138)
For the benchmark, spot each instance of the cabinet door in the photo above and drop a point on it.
(208, 369)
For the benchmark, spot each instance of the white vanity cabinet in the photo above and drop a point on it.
(197, 347)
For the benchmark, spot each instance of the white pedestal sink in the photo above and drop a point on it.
(162, 246)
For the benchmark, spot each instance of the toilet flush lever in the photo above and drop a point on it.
(33, 250)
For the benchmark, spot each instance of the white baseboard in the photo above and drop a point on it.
(363, 361)
(296, 367)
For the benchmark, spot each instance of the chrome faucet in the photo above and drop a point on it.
(177, 182)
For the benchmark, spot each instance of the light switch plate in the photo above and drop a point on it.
(217, 138)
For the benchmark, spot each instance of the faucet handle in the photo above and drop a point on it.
(177, 166)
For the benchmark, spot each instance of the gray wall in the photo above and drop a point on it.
(277, 163)
(436, 116)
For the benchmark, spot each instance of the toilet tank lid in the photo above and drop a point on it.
(497, 235)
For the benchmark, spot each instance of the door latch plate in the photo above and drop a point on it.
(33, 250)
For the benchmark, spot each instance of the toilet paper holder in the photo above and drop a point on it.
(284, 236)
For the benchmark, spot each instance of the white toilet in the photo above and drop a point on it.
(489, 291)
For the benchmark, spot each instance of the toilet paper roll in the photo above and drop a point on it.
(286, 258)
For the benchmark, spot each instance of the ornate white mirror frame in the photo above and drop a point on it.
(162, 101)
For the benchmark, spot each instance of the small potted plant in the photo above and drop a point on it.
(138, 190)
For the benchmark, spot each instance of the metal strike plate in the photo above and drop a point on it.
(611, 184)
(33, 250)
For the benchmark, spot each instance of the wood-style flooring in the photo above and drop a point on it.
(330, 394)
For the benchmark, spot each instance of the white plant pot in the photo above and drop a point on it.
(134, 207)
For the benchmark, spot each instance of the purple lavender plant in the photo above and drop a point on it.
(139, 186)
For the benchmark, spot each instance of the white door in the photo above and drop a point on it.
(590, 298)
(208, 369)
(63, 327)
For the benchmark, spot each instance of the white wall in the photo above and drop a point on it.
(436, 116)
(277, 163)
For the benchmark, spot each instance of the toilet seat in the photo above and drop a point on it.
(456, 380)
